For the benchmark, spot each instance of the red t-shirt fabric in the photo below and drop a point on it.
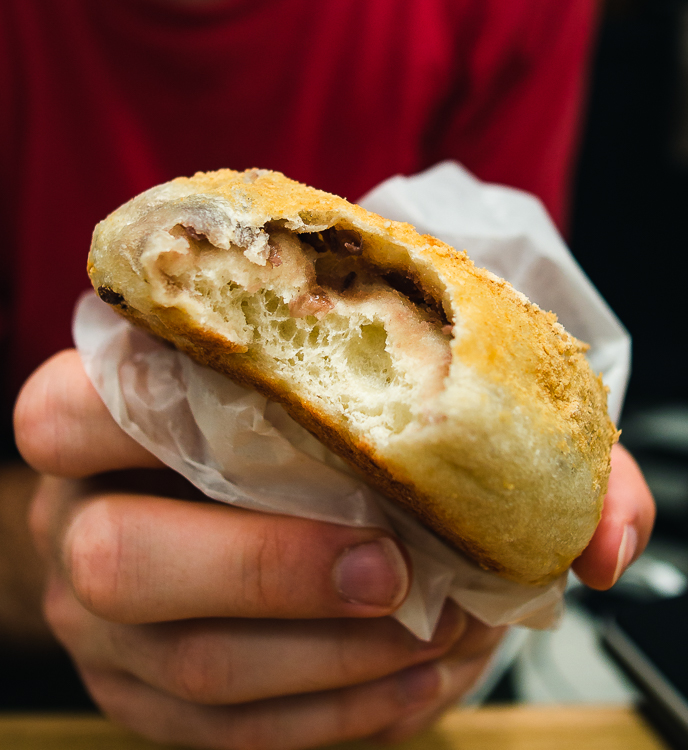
(101, 99)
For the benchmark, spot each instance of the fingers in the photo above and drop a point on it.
(364, 672)
(224, 662)
(390, 708)
(63, 428)
(286, 723)
(461, 667)
(459, 675)
(313, 717)
(138, 558)
(214, 662)
(211, 663)
(624, 529)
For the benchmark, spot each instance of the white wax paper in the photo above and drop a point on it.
(239, 448)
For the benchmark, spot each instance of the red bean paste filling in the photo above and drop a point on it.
(341, 264)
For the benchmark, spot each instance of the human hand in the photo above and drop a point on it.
(213, 626)
(219, 627)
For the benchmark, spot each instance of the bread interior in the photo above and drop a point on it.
(361, 338)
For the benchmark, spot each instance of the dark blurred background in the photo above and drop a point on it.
(630, 227)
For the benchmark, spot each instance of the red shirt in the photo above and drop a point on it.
(100, 99)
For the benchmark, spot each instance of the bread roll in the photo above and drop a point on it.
(447, 389)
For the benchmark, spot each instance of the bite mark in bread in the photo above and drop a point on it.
(452, 393)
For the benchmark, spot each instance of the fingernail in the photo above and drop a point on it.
(419, 685)
(372, 573)
(627, 548)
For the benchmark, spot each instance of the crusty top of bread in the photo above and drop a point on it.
(508, 455)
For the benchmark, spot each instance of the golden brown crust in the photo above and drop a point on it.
(212, 352)
(516, 476)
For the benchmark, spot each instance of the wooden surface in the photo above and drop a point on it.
(492, 728)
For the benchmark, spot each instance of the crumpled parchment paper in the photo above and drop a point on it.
(241, 449)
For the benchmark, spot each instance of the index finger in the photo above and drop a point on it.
(138, 559)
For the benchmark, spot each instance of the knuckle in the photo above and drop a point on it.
(347, 661)
(197, 674)
(36, 424)
(95, 559)
(261, 557)
(51, 416)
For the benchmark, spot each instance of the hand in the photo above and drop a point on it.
(217, 627)
(212, 626)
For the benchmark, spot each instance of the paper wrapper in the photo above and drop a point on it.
(241, 449)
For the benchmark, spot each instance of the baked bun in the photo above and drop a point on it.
(447, 389)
